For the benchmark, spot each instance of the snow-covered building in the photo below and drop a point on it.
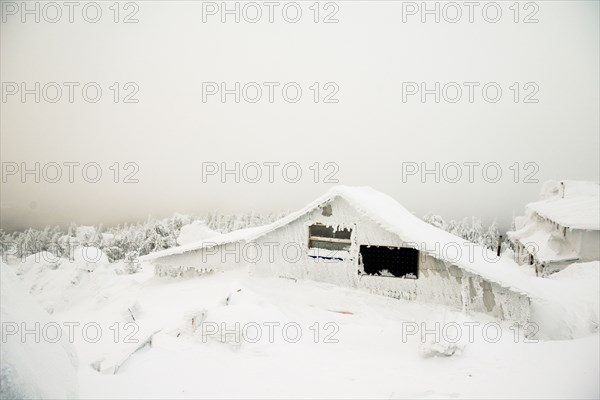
(361, 238)
(561, 228)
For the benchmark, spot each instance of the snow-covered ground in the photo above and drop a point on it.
(161, 338)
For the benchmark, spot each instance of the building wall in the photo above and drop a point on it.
(198, 262)
(438, 281)
(586, 243)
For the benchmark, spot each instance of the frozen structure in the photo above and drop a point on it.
(361, 238)
(561, 228)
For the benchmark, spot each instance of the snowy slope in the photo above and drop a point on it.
(359, 351)
(571, 302)
(42, 367)
(366, 358)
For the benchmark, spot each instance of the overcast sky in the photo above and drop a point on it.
(367, 61)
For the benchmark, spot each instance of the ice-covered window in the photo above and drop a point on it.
(329, 238)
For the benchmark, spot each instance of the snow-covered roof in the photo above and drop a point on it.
(572, 204)
(390, 215)
(195, 232)
(546, 244)
(217, 240)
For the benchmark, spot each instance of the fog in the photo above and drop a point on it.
(363, 116)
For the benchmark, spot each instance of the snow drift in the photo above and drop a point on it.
(32, 368)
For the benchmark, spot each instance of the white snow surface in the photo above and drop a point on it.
(551, 246)
(570, 302)
(575, 205)
(195, 232)
(359, 352)
(30, 368)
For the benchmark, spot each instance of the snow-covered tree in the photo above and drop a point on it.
(469, 229)
(117, 242)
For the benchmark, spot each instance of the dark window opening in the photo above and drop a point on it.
(326, 237)
(390, 261)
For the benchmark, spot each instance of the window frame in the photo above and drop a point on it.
(336, 254)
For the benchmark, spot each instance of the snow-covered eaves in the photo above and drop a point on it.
(576, 205)
(217, 240)
(544, 243)
(574, 213)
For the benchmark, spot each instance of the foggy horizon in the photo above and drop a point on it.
(503, 221)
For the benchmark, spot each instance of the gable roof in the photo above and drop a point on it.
(393, 217)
